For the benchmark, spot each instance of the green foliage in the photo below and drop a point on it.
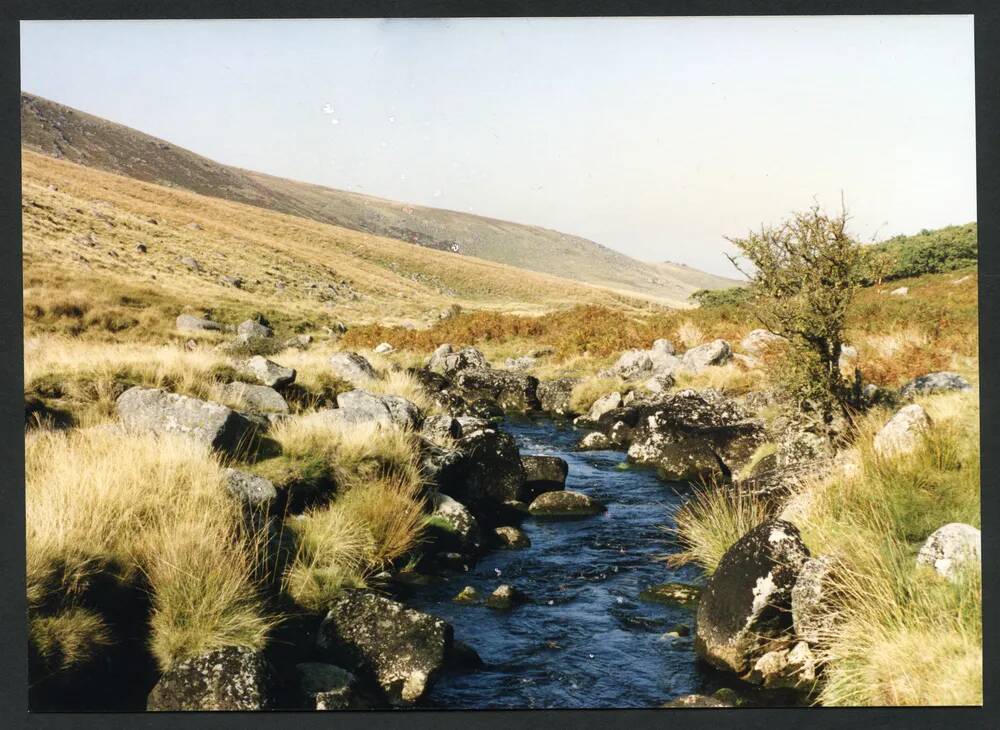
(732, 297)
(928, 252)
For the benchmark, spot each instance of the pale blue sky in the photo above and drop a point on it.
(656, 137)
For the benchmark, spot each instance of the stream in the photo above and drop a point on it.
(584, 639)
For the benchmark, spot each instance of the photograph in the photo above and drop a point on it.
(499, 363)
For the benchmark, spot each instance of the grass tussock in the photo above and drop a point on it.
(72, 637)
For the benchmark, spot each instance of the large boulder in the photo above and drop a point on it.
(456, 521)
(402, 649)
(690, 460)
(543, 474)
(447, 361)
(717, 352)
(254, 398)
(901, 434)
(950, 548)
(490, 470)
(190, 323)
(352, 367)
(632, 364)
(268, 373)
(232, 678)
(565, 505)
(603, 405)
(812, 600)
(747, 599)
(359, 406)
(934, 383)
(554, 395)
(510, 391)
(758, 341)
(157, 411)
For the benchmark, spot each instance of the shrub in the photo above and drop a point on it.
(732, 297)
(929, 252)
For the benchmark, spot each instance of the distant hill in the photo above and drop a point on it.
(65, 133)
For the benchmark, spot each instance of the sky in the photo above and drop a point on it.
(657, 137)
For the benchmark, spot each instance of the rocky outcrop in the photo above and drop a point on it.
(788, 668)
(190, 323)
(268, 373)
(233, 679)
(690, 460)
(353, 368)
(901, 434)
(402, 649)
(543, 474)
(717, 352)
(950, 548)
(554, 396)
(157, 411)
(941, 382)
(747, 599)
(565, 505)
(510, 391)
(254, 398)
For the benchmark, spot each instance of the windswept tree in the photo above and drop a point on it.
(803, 276)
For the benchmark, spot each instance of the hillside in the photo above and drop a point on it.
(62, 132)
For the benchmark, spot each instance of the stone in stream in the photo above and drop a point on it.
(543, 474)
(554, 395)
(565, 505)
(157, 411)
(456, 520)
(268, 373)
(594, 441)
(231, 678)
(505, 597)
(679, 594)
(510, 391)
(511, 538)
(690, 460)
(467, 595)
(402, 649)
(327, 687)
(747, 599)
(490, 469)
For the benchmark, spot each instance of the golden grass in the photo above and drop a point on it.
(589, 390)
(71, 637)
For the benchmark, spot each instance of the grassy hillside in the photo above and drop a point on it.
(69, 134)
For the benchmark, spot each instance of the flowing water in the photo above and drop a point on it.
(584, 639)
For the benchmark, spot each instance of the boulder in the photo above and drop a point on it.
(384, 348)
(352, 367)
(253, 328)
(697, 700)
(525, 362)
(511, 538)
(659, 383)
(901, 434)
(901, 291)
(251, 490)
(441, 428)
(191, 263)
(951, 547)
(254, 398)
(717, 352)
(690, 460)
(268, 373)
(454, 518)
(505, 597)
(758, 341)
(231, 678)
(190, 323)
(632, 364)
(299, 342)
(490, 470)
(327, 687)
(565, 505)
(554, 395)
(934, 383)
(510, 391)
(793, 668)
(604, 404)
(594, 441)
(468, 424)
(402, 649)
(747, 599)
(447, 361)
(665, 364)
(359, 406)
(812, 600)
(664, 347)
(544, 474)
(157, 411)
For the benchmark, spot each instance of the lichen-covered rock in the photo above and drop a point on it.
(747, 599)
(250, 490)
(941, 382)
(505, 597)
(717, 352)
(758, 341)
(490, 469)
(190, 323)
(604, 404)
(565, 505)
(554, 395)
(447, 361)
(359, 406)
(232, 678)
(253, 328)
(157, 411)
(352, 367)
(511, 538)
(680, 594)
(793, 668)
(632, 364)
(659, 383)
(402, 649)
(441, 428)
(594, 441)
(950, 548)
(455, 518)
(510, 391)
(543, 474)
(665, 347)
(327, 687)
(254, 398)
(268, 373)
(812, 599)
(467, 595)
(690, 460)
(901, 434)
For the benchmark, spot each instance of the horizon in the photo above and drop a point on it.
(896, 117)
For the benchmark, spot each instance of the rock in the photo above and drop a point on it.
(525, 362)
(402, 649)
(191, 263)
(232, 678)
(659, 383)
(595, 441)
(441, 428)
(665, 347)
(299, 342)
(934, 383)
(190, 323)
(251, 490)
(505, 597)
(544, 474)
(901, 434)
(793, 668)
(254, 398)
(554, 395)
(327, 687)
(233, 281)
(467, 595)
(253, 328)
(691, 460)
(710, 354)
(384, 348)
(511, 538)
(141, 248)
(464, 658)
(490, 471)
(157, 411)
(697, 700)
(468, 424)
(453, 516)
(900, 291)
(812, 601)
(679, 594)
(510, 391)
(962, 279)
(268, 373)
(951, 547)
(747, 599)
(565, 504)
(758, 341)
(664, 364)
(447, 361)
(352, 367)
(359, 406)
(632, 363)
(604, 404)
